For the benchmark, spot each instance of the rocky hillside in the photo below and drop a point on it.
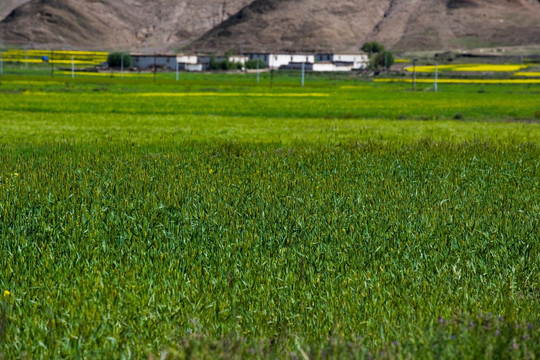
(7, 6)
(115, 24)
(273, 25)
(399, 24)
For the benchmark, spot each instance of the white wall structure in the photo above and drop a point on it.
(145, 61)
(345, 66)
(188, 63)
(205, 59)
(323, 66)
(358, 61)
(193, 67)
(239, 59)
(186, 59)
(275, 61)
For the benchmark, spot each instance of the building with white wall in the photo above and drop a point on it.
(193, 67)
(239, 59)
(321, 66)
(321, 62)
(275, 61)
(189, 63)
(205, 59)
(357, 61)
(187, 59)
(146, 61)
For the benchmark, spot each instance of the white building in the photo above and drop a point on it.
(184, 62)
(239, 59)
(187, 59)
(323, 66)
(189, 63)
(357, 61)
(193, 67)
(275, 61)
(205, 59)
(145, 61)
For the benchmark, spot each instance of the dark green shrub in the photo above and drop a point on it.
(372, 47)
(252, 64)
(223, 65)
(114, 60)
(384, 59)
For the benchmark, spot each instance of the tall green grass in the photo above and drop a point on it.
(269, 239)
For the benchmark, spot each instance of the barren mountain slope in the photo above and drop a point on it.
(108, 24)
(438, 24)
(273, 25)
(6, 6)
(399, 24)
(296, 24)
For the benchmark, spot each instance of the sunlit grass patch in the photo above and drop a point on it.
(231, 94)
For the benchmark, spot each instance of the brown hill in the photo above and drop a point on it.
(400, 24)
(7, 6)
(114, 24)
(273, 25)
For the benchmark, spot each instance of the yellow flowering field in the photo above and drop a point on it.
(59, 57)
(528, 74)
(467, 68)
(105, 74)
(462, 81)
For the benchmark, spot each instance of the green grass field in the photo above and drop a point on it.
(220, 217)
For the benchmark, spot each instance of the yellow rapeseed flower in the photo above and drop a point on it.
(6, 293)
(211, 171)
(463, 81)
(530, 73)
(468, 68)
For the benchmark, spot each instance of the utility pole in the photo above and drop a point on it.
(51, 60)
(155, 68)
(258, 75)
(414, 75)
(436, 75)
(303, 72)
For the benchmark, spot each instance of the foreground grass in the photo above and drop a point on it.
(129, 250)
(209, 234)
